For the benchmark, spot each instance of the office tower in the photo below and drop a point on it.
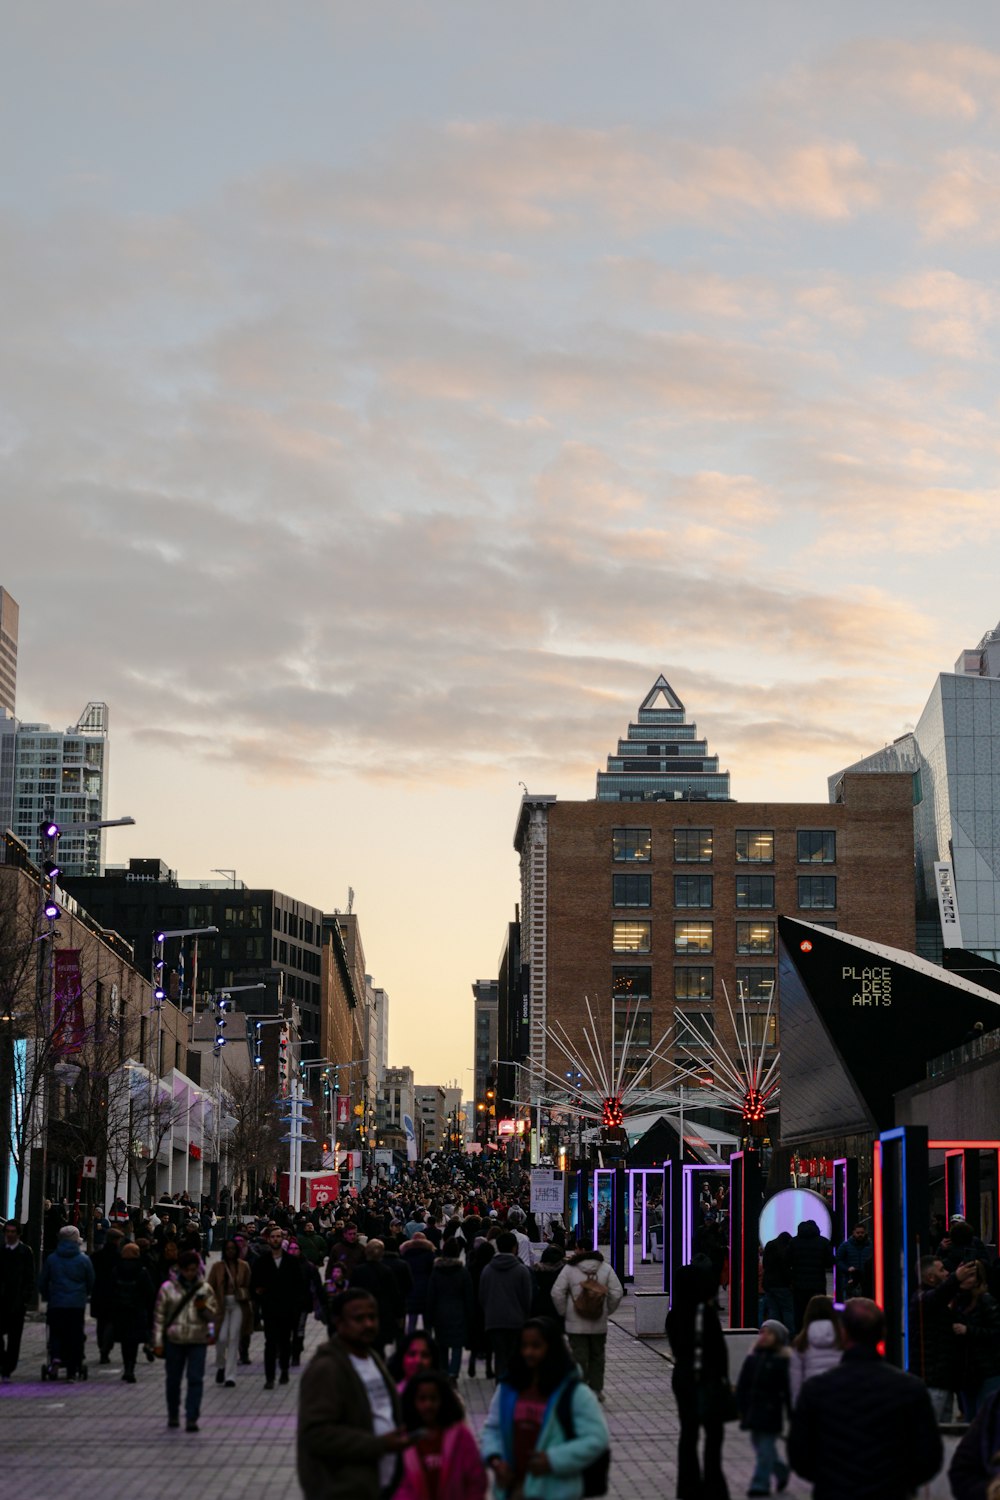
(662, 758)
(8, 653)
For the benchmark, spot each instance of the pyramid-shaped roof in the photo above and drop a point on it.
(662, 758)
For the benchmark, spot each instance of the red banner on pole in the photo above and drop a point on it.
(68, 1030)
(343, 1109)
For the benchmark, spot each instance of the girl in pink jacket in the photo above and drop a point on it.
(444, 1462)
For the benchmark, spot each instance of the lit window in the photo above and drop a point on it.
(632, 982)
(754, 984)
(817, 847)
(693, 983)
(755, 846)
(631, 937)
(755, 937)
(693, 846)
(631, 845)
(693, 937)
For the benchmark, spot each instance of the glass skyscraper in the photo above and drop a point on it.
(662, 759)
(63, 776)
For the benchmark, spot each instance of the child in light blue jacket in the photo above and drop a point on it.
(545, 1426)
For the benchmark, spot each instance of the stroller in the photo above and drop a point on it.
(53, 1361)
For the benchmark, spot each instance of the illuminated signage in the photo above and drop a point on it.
(869, 986)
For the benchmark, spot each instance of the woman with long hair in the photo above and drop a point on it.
(444, 1462)
(817, 1346)
(545, 1426)
(700, 1381)
(416, 1354)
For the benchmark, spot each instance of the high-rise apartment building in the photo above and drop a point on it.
(662, 758)
(63, 776)
(485, 995)
(953, 757)
(8, 653)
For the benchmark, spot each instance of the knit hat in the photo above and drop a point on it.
(778, 1329)
(70, 1232)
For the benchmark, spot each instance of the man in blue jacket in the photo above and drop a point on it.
(66, 1282)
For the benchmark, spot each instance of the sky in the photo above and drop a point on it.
(388, 393)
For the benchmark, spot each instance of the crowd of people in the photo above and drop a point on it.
(410, 1280)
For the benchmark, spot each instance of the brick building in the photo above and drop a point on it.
(659, 900)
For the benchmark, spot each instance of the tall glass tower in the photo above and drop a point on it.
(662, 759)
(64, 776)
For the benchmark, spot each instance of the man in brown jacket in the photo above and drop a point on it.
(349, 1437)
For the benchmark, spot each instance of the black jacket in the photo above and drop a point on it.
(376, 1277)
(280, 1289)
(131, 1299)
(776, 1264)
(810, 1257)
(864, 1431)
(979, 1346)
(17, 1276)
(933, 1355)
(763, 1394)
(450, 1304)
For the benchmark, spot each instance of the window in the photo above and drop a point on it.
(692, 890)
(692, 984)
(693, 846)
(630, 845)
(763, 1029)
(692, 937)
(632, 982)
(695, 1029)
(640, 1023)
(755, 984)
(755, 937)
(755, 846)
(631, 890)
(817, 892)
(817, 847)
(755, 890)
(631, 937)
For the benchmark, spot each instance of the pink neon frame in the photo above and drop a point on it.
(949, 1147)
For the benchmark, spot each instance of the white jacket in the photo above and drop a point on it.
(573, 1275)
(821, 1353)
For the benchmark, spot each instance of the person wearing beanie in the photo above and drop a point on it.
(66, 1282)
(763, 1396)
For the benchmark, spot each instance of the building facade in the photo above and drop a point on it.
(485, 1000)
(662, 758)
(953, 757)
(429, 1102)
(63, 776)
(9, 615)
(657, 910)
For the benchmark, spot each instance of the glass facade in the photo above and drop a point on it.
(661, 758)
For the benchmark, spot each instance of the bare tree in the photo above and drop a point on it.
(253, 1145)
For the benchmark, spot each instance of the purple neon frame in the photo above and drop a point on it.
(687, 1205)
(642, 1172)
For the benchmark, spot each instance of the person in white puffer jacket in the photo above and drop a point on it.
(818, 1345)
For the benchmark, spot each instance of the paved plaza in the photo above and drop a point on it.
(110, 1438)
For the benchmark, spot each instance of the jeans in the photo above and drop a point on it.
(130, 1350)
(452, 1355)
(228, 1337)
(588, 1351)
(768, 1462)
(778, 1304)
(178, 1358)
(278, 1331)
(942, 1402)
(704, 1479)
(412, 1319)
(504, 1342)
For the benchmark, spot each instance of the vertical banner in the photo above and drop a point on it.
(343, 1109)
(67, 1031)
(951, 926)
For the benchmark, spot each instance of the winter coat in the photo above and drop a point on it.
(418, 1255)
(589, 1263)
(337, 1452)
(568, 1458)
(972, 1466)
(822, 1353)
(777, 1264)
(104, 1262)
(462, 1477)
(450, 1306)
(191, 1325)
(864, 1431)
(933, 1352)
(505, 1292)
(979, 1346)
(230, 1280)
(280, 1289)
(376, 1277)
(131, 1300)
(811, 1256)
(543, 1279)
(17, 1277)
(855, 1256)
(763, 1394)
(67, 1277)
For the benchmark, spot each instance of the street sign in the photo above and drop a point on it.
(548, 1191)
(90, 1166)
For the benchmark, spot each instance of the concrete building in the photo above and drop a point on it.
(655, 907)
(953, 759)
(64, 776)
(9, 615)
(429, 1102)
(486, 1000)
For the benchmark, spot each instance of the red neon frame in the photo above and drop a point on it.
(993, 1146)
(877, 1217)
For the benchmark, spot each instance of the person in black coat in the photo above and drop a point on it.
(763, 1396)
(974, 1466)
(544, 1277)
(810, 1257)
(934, 1353)
(104, 1262)
(17, 1286)
(376, 1276)
(418, 1254)
(132, 1295)
(700, 1380)
(480, 1255)
(280, 1289)
(450, 1311)
(864, 1430)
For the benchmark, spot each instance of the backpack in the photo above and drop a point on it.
(590, 1298)
(596, 1474)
